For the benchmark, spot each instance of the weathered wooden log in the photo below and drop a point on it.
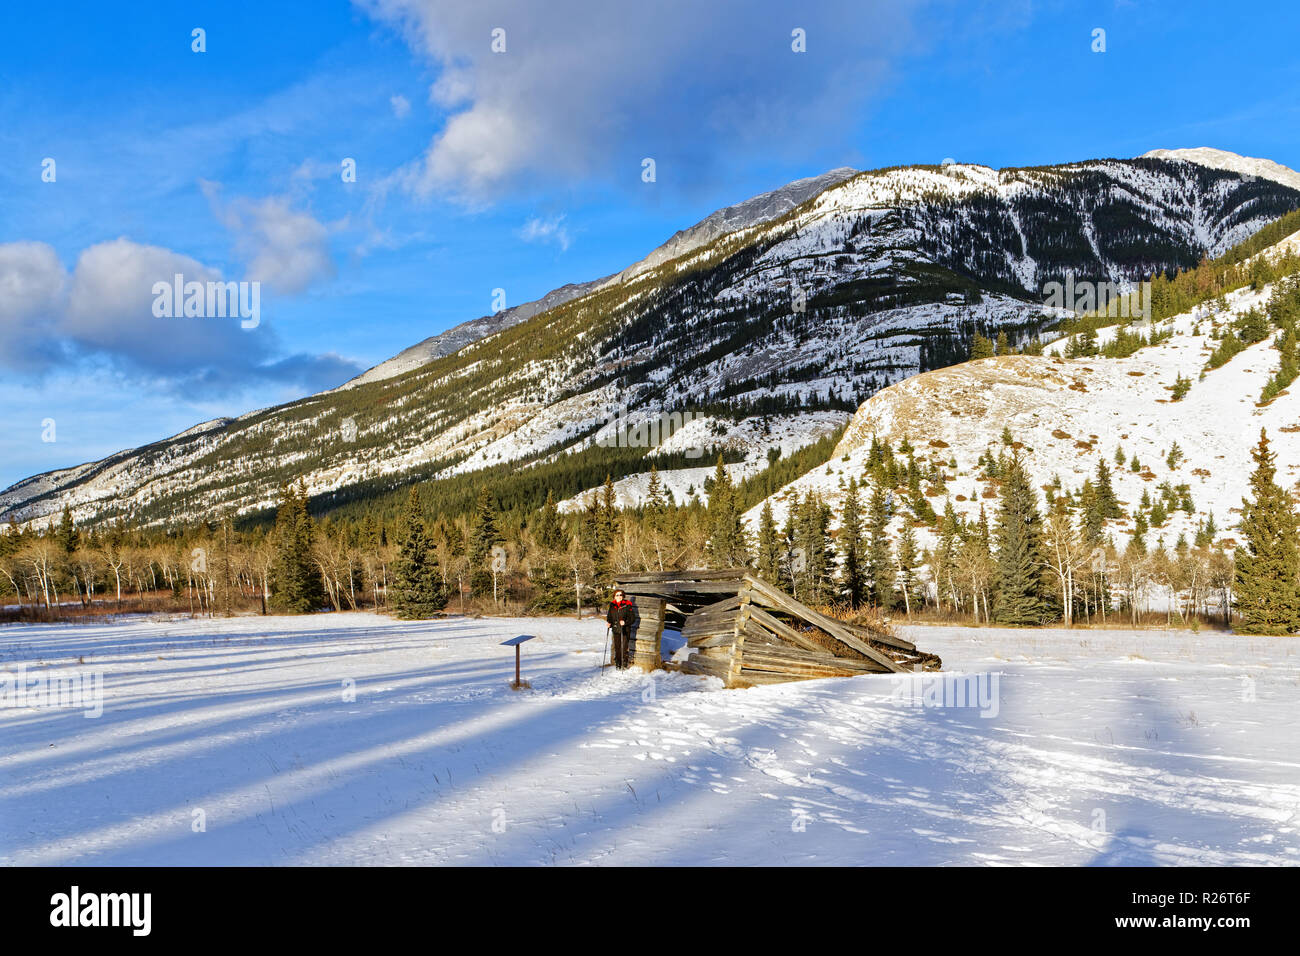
(767, 658)
(713, 640)
(771, 596)
(707, 666)
(892, 640)
(647, 643)
(783, 630)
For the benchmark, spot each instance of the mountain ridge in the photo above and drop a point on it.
(883, 274)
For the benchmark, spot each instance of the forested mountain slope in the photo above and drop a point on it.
(806, 307)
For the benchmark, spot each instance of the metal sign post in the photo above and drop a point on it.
(516, 643)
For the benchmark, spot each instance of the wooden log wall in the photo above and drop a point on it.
(647, 647)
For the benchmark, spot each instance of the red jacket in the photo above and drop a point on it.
(624, 611)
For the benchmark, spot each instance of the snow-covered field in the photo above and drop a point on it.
(237, 742)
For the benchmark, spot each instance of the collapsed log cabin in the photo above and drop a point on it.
(746, 632)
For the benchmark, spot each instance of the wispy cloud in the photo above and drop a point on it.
(546, 230)
(287, 249)
(571, 88)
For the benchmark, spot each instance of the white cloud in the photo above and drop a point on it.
(401, 105)
(32, 287)
(285, 248)
(588, 87)
(102, 311)
(546, 230)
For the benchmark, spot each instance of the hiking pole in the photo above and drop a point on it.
(605, 647)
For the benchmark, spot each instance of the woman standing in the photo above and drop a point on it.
(623, 619)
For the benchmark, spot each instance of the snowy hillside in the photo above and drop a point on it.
(875, 278)
(1067, 415)
(751, 212)
(754, 437)
(459, 336)
(360, 740)
(1222, 159)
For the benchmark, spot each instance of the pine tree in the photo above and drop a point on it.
(769, 546)
(1019, 591)
(483, 538)
(728, 546)
(418, 587)
(1107, 502)
(981, 347)
(655, 503)
(852, 581)
(296, 582)
(907, 559)
(552, 589)
(1268, 564)
(880, 564)
(68, 536)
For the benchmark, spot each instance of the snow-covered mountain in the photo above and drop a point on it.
(1222, 159)
(750, 321)
(751, 212)
(1068, 414)
(459, 336)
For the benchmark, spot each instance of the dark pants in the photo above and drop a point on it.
(622, 646)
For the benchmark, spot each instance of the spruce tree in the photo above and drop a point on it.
(482, 539)
(1019, 589)
(67, 535)
(296, 582)
(1137, 543)
(810, 561)
(418, 587)
(656, 505)
(852, 580)
(1206, 531)
(1267, 577)
(1108, 504)
(981, 347)
(552, 589)
(945, 555)
(602, 522)
(791, 567)
(908, 558)
(880, 564)
(769, 547)
(728, 546)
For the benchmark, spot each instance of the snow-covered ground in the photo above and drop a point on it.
(1109, 747)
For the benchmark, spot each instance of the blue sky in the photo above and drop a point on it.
(519, 170)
